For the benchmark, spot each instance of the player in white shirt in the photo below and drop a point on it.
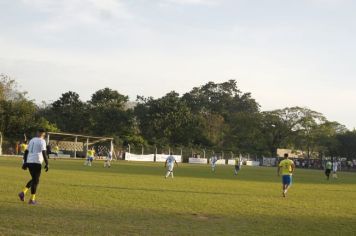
(213, 161)
(34, 156)
(108, 160)
(170, 162)
(335, 166)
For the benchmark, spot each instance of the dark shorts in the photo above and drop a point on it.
(237, 167)
(327, 171)
(287, 179)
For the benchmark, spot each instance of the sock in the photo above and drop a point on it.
(172, 175)
(25, 189)
(167, 174)
(33, 197)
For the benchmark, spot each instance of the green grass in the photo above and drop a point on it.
(135, 199)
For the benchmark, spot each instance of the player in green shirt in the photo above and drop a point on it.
(328, 168)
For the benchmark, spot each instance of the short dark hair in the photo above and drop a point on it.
(41, 130)
(286, 155)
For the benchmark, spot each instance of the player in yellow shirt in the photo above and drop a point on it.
(90, 157)
(56, 151)
(286, 167)
(23, 147)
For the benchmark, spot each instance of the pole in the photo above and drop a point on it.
(75, 146)
(204, 153)
(0, 143)
(87, 148)
(129, 147)
(142, 149)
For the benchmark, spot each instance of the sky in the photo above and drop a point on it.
(286, 53)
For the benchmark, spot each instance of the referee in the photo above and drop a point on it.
(34, 156)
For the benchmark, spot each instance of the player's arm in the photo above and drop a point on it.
(45, 154)
(45, 158)
(293, 167)
(25, 155)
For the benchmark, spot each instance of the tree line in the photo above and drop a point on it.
(216, 116)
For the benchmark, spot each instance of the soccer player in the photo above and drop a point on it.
(108, 160)
(335, 166)
(213, 161)
(23, 147)
(56, 151)
(34, 156)
(170, 162)
(237, 165)
(286, 167)
(90, 158)
(328, 167)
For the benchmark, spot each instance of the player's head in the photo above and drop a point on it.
(286, 156)
(41, 133)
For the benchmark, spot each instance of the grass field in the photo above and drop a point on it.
(135, 199)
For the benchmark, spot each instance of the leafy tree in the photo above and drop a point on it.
(69, 113)
(108, 113)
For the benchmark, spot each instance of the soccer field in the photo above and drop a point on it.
(135, 199)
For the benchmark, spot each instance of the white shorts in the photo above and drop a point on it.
(170, 168)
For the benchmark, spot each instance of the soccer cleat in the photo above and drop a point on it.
(32, 202)
(22, 196)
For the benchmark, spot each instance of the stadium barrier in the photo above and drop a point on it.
(221, 162)
(134, 157)
(193, 160)
(252, 163)
(231, 162)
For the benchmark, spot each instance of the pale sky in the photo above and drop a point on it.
(284, 52)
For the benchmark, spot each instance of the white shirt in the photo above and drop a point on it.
(213, 160)
(35, 148)
(171, 160)
(335, 164)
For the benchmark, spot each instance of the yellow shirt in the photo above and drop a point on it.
(23, 147)
(56, 149)
(286, 166)
(91, 153)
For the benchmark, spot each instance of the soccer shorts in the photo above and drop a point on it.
(287, 179)
(327, 171)
(170, 168)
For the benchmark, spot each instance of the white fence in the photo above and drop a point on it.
(198, 160)
(134, 157)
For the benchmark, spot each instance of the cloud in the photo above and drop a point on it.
(193, 2)
(66, 14)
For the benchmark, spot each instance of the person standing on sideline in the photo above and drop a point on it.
(237, 165)
(108, 159)
(335, 166)
(34, 156)
(286, 167)
(56, 151)
(170, 162)
(213, 161)
(328, 167)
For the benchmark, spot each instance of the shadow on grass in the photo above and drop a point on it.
(110, 221)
